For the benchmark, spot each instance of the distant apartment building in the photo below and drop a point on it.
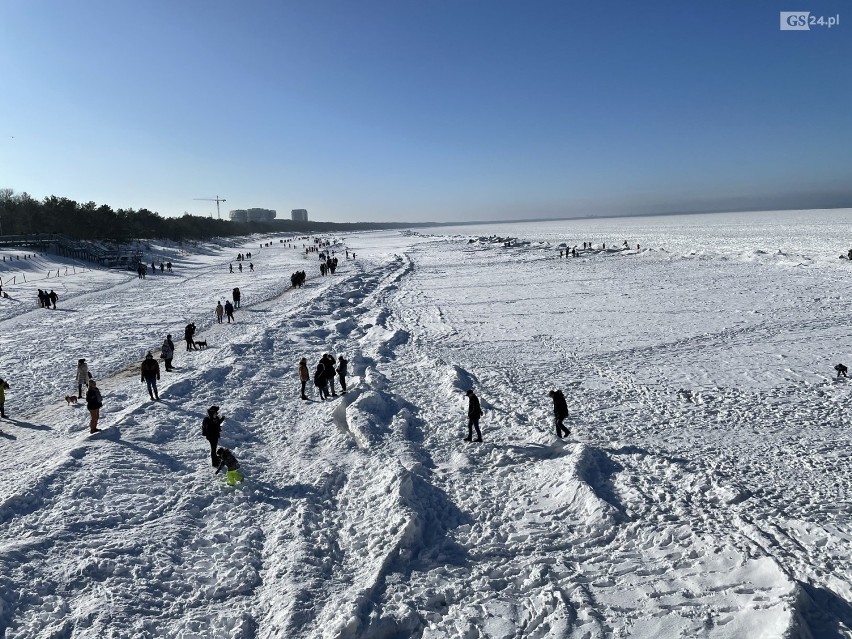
(252, 215)
(299, 215)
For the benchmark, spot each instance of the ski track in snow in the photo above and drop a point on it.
(703, 493)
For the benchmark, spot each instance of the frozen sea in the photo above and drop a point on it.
(703, 491)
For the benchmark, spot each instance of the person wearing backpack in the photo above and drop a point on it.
(560, 412)
(211, 429)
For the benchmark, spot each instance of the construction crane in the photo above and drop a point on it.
(216, 199)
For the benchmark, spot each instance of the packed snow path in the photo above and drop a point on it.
(704, 490)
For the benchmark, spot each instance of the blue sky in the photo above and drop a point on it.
(426, 111)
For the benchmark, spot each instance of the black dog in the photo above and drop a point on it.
(201, 344)
(841, 370)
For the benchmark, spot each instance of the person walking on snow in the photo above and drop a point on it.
(304, 375)
(474, 412)
(83, 376)
(321, 379)
(220, 311)
(4, 385)
(94, 401)
(341, 372)
(150, 374)
(560, 412)
(211, 428)
(188, 333)
(226, 458)
(328, 360)
(229, 311)
(52, 296)
(168, 352)
(236, 295)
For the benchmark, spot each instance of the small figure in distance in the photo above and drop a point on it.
(150, 370)
(841, 370)
(560, 412)
(188, 334)
(229, 311)
(231, 267)
(220, 311)
(83, 376)
(168, 352)
(3, 386)
(474, 412)
(94, 402)
(341, 371)
(304, 375)
(211, 429)
(321, 379)
(226, 458)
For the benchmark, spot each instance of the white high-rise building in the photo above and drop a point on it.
(252, 215)
(299, 215)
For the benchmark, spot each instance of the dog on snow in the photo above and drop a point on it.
(201, 344)
(71, 399)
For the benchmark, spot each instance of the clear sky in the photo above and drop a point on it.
(427, 110)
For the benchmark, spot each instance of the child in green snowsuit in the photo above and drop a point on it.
(226, 458)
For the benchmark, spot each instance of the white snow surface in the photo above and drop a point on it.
(704, 491)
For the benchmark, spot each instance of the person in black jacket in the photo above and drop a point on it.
(474, 412)
(328, 361)
(211, 428)
(94, 401)
(341, 372)
(321, 379)
(150, 373)
(188, 334)
(560, 412)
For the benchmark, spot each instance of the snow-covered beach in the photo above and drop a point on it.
(704, 491)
